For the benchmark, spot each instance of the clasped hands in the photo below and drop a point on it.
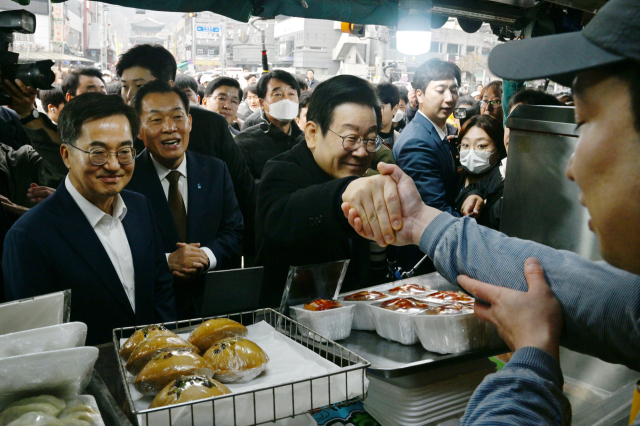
(188, 261)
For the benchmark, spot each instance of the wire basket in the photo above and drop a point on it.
(265, 404)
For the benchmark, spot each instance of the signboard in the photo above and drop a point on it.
(58, 32)
(210, 29)
(57, 12)
(288, 26)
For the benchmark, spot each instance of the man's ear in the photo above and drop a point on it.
(68, 97)
(64, 153)
(204, 101)
(311, 134)
(394, 110)
(261, 103)
(172, 83)
(419, 96)
(200, 101)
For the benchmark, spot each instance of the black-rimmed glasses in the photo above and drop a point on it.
(100, 156)
(494, 104)
(352, 142)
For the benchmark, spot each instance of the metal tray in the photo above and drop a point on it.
(347, 360)
(391, 359)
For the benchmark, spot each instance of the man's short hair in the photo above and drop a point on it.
(311, 70)
(154, 57)
(157, 86)
(89, 107)
(252, 88)
(496, 85)
(54, 96)
(184, 81)
(200, 93)
(339, 90)
(404, 94)
(388, 93)
(71, 80)
(302, 83)
(303, 102)
(222, 81)
(435, 69)
(532, 97)
(279, 75)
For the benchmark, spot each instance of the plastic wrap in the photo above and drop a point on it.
(154, 346)
(334, 324)
(148, 332)
(61, 373)
(35, 312)
(449, 297)
(409, 289)
(165, 368)
(36, 419)
(189, 388)
(362, 316)
(46, 409)
(82, 408)
(454, 332)
(394, 325)
(43, 339)
(209, 332)
(236, 359)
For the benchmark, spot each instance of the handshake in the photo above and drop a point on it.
(387, 208)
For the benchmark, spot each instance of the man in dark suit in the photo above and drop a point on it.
(423, 151)
(91, 236)
(298, 220)
(191, 194)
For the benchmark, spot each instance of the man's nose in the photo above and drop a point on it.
(112, 162)
(569, 170)
(169, 126)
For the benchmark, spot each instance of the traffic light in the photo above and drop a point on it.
(193, 14)
(354, 29)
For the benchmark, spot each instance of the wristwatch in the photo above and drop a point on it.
(33, 115)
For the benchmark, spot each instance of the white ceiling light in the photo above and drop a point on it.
(414, 32)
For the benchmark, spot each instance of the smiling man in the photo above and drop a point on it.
(191, 194)
(91, 236)
(223, 96)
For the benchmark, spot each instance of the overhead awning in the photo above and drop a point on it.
(41, 56)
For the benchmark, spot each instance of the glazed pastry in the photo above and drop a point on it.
(165, 368)
(322, 305)
(209, 332)
(408, 290)
(46, 399)
(151, 347)
(236, 359)
(451, 297)
(189, 388)
(365, 296)
(142, 334)
(36, 419)
(77, 406)
(14, 412)
(455, 309)
(404, 305)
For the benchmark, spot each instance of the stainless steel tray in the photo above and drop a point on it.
(391, 359)
(348, 361)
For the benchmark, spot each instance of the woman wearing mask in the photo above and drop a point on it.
(481, 151)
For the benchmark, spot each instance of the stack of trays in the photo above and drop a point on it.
(428, 398)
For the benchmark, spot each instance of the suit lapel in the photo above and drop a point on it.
(148, 183)
(76, 229)
(443, 147)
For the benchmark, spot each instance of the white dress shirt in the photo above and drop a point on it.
(163, 172)
(440, 131)
(111, 234)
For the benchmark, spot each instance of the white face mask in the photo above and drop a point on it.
(284, 110)
(399, 116)
(475, 162)
(503, 167)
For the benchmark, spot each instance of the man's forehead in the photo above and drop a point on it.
(226, 90)
(137, 73)
(450, 82)
(275, 84)
(161, 102)
(115, 128)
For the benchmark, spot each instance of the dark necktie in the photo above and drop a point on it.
(176, 205)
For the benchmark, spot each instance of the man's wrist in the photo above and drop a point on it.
(423, 219)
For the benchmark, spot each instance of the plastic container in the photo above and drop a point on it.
(455, 332)
(448, 298)
(334, 324)
(44, 339)
(410, 290)
(362, 316)
(395, 325)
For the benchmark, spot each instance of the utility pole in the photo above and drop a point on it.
(104, 41)
(223, 48)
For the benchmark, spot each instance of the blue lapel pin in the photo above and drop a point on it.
(199, 186)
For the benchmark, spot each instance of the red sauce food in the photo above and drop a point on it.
(322, 305)
(455, 309)
(451, 296)
(365, 295)
(404, 305)
(408, 290)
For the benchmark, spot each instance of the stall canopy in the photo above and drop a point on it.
(41, 56)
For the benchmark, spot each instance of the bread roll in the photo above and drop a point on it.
(36, 419)
(209, 332)
(165, 368)
(151, 347)
(46, 399)
(189, 388)
(236, 359)
(142, 334)
(15, 412)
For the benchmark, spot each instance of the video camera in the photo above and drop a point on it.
(464, 113)
(38, 74)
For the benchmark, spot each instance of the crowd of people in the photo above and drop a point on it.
(129, 199)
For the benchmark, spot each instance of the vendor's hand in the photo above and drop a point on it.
(376, 200)
(413, 99)
(472, 206)
(36, 193)
(415, 215)
(523, 319)
(11, 207)
(188, 261)
(23, 97)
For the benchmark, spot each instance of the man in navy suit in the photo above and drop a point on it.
(423, 151)
(92, 236)
(191, 194)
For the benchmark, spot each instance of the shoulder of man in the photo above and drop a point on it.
(204, 117)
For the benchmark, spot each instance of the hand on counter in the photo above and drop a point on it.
(531, 319)
(188, 261)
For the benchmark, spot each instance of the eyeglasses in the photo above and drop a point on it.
(494, 104)
(352, 142)
(223, 99)
(100, 156)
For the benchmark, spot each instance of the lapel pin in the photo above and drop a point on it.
(199, 186)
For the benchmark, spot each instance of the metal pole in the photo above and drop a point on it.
(265, 63)
(193, 41)
(223, 48)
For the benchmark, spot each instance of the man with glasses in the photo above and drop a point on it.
(223, 96)
(298, 220)
(91, 235)
(491, 100)
(191, 194)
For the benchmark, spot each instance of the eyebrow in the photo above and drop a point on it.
(135, 79)
(357, 128)
(160, 111)
(104, 144)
